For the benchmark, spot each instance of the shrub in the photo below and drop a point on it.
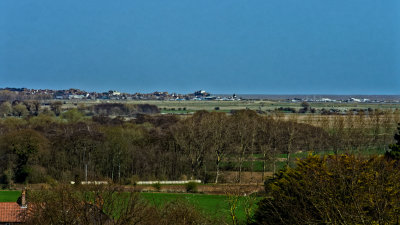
(394, 152)
(181, 212)
(37, 175)
(191, 187)
(134, 179)
(183, 177)
(336, 189)
(157, 186)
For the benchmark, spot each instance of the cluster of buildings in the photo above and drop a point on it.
(343, 100)
(69, 94)
(201, 95)
(364, 100)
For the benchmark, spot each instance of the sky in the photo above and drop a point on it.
(221, 46)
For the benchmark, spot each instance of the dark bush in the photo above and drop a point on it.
(157, 186)
(191, 187)
(333, 190)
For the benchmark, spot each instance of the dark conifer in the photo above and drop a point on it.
(394, 152)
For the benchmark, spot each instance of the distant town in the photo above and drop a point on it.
(48, 94)
(200, 95)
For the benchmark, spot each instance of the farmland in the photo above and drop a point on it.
(183, 107)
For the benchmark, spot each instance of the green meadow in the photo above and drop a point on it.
(213, 205)
(9, 196)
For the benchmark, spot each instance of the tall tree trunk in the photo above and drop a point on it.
(241, 164)
(218, 162)
(263, 173)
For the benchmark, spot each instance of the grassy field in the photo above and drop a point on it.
(214, 205)
(9, 196)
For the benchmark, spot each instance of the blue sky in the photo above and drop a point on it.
(224, 46)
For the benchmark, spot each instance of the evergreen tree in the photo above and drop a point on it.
(394, 152)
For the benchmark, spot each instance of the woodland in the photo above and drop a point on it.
(347, 174)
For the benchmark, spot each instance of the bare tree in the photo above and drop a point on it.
(85, 205)
(193, 140)
(216, 124)
(244, 131)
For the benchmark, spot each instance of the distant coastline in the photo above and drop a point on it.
(8, 93)
(313, 96)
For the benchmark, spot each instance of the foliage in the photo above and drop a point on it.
(165, 147)
(215, 206)
(20, 110)
(27, 145)
(191, 187)
(394, 152)
(157, 186)
(233, 201)
(56, 107)
(181, 212)
(67, 204)
(5, 109)
(336, 189)
(118, 109)
(72, 115)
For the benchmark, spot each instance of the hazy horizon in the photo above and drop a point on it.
(224, 94)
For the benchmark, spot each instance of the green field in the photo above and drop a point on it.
(213, 205)
(9, 196)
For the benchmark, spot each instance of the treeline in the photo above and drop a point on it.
(8, 95)
(33, 108)
(72, 146)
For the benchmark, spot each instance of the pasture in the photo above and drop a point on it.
(214, 205)
(9, 196)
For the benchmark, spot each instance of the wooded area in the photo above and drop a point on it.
(38, 146)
